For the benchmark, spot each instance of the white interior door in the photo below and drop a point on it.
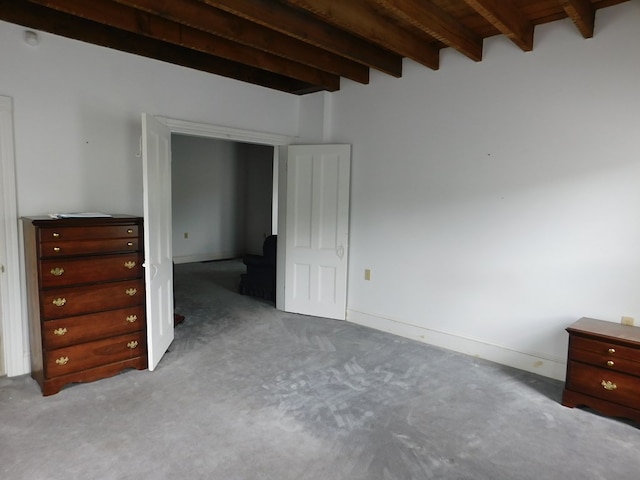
(156, 155)
(317, 230)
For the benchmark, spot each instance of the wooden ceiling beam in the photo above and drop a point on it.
(21, 12)
(200, 16)
(507, 19)
(140, 23)
(359, 17)
(306, 28)
(434, 21)
(582, 13)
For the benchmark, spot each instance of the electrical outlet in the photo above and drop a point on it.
(367, 274)
(627, 321)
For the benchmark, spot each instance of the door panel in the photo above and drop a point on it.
(156, 153)
(317, 223)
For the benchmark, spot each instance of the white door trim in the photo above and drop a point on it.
(197, 129)
(16, 360)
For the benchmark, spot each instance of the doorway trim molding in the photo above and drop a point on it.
(15, 359)
(197, 129)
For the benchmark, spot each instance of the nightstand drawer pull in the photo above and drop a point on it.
(62, 360)
(56, 249)
(55, 234)
(56, 272)
(129, 230)
(59, 302)
(129, 244)
(131, 291)
(611, 350)
(610, 363)
(130, 264)
(132, 318)
(60, 331)
(133, 344)
(608, 385)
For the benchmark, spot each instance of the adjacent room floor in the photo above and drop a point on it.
(248, 392)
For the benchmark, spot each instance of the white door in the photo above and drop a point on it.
(156, 155)
(317, 228)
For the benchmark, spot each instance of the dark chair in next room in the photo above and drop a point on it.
(260, 279)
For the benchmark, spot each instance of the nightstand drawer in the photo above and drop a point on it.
(72, 301)
(605, 384)
(604, 347)
(605, 361)
(92, 354)
(69, 331)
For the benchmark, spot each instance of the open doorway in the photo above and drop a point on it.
(222, 205)
(222, 198)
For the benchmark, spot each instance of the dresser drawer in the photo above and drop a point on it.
(71, 271)
(71, 330)
(605, 384)
(603, 347)
(87, 247)
(88, 232)
(71, 301)
(92, 354)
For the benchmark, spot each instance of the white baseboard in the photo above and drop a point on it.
(531, 362)
(205, 257)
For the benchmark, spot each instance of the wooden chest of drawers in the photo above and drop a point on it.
(85, 288)
(603, 368)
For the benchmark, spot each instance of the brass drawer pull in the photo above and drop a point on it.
(610, 363)
(129, 244)
(62, 360)
(611, 350)
(131, 291)
(129, 230)
(59, 302)
(133, 344)
(132, 318)
(608, 385)
(130, 264)
(56, 249)
(56, 272)
(60, 331)
(55, 234)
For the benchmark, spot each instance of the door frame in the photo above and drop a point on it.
(12, 327)
(198, 129)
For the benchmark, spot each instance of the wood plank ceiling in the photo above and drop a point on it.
(299, 46)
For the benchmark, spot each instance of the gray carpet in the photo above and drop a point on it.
(247, 392)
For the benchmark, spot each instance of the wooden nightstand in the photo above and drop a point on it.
(603, 368)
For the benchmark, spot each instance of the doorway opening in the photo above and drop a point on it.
(222, 198)
(224, 205)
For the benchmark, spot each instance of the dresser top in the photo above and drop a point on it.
(45, 220)
(600, 328)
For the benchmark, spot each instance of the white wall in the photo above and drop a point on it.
(497, 202)
(208, 200)
(77, 117)
(77, 121)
